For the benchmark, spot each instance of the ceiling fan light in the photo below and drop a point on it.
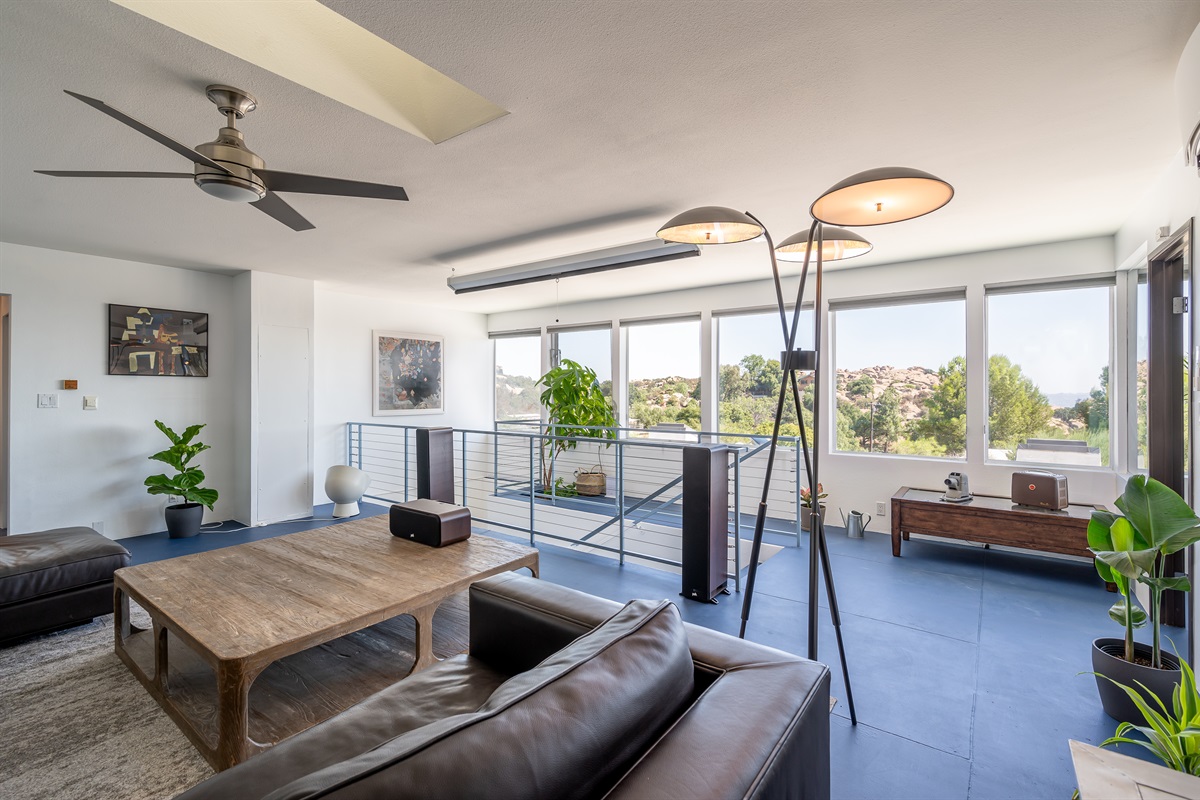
(710, 225)
(881, 196)
(231, 188)
(837, 244)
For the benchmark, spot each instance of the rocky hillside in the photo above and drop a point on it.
(914, 385)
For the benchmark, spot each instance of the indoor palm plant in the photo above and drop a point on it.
(576, 409)
(183, 519)
(1132, 547)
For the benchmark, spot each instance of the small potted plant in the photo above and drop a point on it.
(183, 519)
(806, 505)
(1156, 523)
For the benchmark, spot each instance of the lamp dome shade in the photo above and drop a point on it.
(710, 225)
(880, 196)
(836, 244)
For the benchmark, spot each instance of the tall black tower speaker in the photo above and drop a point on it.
(435, 464)
(705, 521)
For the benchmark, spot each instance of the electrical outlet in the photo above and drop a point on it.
(98, 527)
(881, 508)
(172, 500)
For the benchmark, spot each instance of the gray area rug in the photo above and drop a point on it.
(75, 723)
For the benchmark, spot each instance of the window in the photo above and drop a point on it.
(663, 367)
(1048, 374)
(748, 373)
(591, 347)
(518, 366)
(1141, 367)
(901, 375)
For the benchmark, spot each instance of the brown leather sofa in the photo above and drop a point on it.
(55, 579)
(566, 695)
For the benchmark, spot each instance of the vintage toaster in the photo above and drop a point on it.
(1040, 488)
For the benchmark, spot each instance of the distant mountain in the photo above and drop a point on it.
(1065, 399)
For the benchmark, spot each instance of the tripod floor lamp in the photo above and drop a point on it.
(874, 197)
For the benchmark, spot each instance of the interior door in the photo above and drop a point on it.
(1169, 407)
(284, 430)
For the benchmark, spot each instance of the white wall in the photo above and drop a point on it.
(858, 481)
(343, 324)
(76, 467)
(285, 472)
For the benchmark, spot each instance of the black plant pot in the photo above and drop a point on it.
(184, 520)
(1108, 660)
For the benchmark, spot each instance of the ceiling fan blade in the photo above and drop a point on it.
(273, 206)
(58, 173)
(146, 130)
(315, 184)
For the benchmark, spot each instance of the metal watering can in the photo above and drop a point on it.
(855, 524)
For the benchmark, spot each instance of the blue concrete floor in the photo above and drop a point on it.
(965, 662)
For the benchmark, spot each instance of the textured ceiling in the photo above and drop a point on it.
(1051, 118)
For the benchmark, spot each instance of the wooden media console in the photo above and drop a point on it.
(990, 520)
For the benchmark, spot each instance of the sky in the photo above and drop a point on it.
(1060, 339)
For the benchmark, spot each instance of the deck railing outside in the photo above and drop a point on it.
(499, 475)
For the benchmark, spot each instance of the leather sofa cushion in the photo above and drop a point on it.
(568, 728)
(457, 685)
(37, 564)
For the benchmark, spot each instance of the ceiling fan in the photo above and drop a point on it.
(227, 169)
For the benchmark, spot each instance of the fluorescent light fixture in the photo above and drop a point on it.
(626, 255)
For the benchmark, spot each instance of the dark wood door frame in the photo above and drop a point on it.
(1166, 268)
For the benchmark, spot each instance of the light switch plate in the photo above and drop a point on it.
(47, 401)
(90, 402)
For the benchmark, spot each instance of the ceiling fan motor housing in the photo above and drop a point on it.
(240, 184)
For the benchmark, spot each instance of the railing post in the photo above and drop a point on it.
(737, 522)
(349, 447)
(405, 464)
(495, 460)
(621, 498)
(532, 499)
(464, 466)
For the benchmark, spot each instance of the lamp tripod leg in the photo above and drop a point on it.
(821, 548)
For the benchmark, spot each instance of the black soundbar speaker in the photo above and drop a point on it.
(705, 521)
(435, 464)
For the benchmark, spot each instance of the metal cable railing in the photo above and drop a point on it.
(500, 475)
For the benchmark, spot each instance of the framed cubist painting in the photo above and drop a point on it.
(157, 341)
(409, 373)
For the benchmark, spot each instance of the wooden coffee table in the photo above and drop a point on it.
(244, 607)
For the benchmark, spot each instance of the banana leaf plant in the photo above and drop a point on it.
(1173, 734)
(179, 456)
(576, 409)
(1155, 522)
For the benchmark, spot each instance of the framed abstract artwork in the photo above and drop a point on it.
(157, 341)
(409, 374)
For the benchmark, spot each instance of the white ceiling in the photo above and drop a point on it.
(1050, 117)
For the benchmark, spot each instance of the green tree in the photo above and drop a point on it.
(945, 419)
(889, 424)
(1017, 409)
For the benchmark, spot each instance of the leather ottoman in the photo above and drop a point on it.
(55, 579)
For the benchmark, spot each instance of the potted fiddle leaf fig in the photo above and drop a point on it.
(576, 409)
(1132, 547)
(183, 519)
